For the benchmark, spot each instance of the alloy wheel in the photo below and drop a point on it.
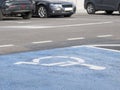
(90, 9)
(42, 12)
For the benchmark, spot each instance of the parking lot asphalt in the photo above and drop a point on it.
(18, 35)
(77, 53)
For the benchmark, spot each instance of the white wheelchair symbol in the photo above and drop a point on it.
(76, 61)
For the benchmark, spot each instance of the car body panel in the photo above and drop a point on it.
(12, 8)
(110, 5)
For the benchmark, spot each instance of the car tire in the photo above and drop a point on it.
(27, 15)
(1, 15)
(68, 15)
(90, 8)
(109, 12)
(42, 11)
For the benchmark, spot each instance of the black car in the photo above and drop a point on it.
(21, 8)
(47, 8)
(104, 5)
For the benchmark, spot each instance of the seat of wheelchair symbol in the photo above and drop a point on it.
(62, 62)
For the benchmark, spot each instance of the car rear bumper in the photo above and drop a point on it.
(18, 9)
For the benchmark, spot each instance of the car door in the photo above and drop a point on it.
(109, 4)
(98, 4)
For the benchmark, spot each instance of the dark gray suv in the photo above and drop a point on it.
(102, 5)
(47, 8)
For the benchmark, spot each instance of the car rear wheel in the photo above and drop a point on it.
(90, 9)
(27, 15)
(42, 12)
(1, 15)
(109, 12)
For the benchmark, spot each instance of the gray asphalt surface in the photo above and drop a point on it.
(18, 35)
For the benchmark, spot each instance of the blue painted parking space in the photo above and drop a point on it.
(72, 68)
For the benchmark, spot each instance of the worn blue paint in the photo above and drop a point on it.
(76, 77)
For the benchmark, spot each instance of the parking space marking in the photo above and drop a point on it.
(23, 22)
(76, 61)
(59, 26)
(69, 68)
(40, 42)
(84, 24)
(102, 36)
(78, 38)
(67, 19)
(95, 47)
(108, 45)
(98, 46)
(9, 45)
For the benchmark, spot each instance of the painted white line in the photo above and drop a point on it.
(102, 36)
(22, 22)
(78, 38)
(84, 24)
(60, 26)
(9, 45)
(104, 49)
(53, 64)
(94, 67)
(66, 19)
(108, 45)
(97, 46)
(41, 42)
(75, 61)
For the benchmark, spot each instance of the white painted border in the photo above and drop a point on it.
(9, 45)
(40, 42)
(77, 38)
(98, 46)
(102, 36)
(104, 49)
(59, 26)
